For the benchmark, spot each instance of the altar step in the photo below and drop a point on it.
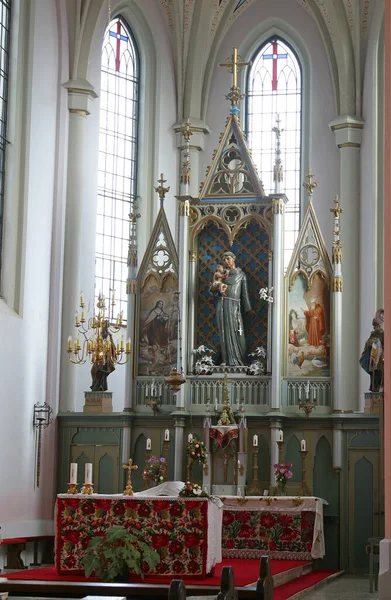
(291, 574)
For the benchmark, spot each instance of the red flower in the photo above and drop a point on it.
(175, 547)
(161, 505)
(143, 510)
(87, 508)
(159, 540)
(288, 535)
(118, 508)
(192, 539)
(84, 543)
(70, 561)
(267, 520)
(193, 566)
(272, 545)
(285, 520)
(193, 505)
(243, 517)
(167, 525)
(72, 502)
(176, 566)
(246, 531)
(161, 568)
(103, 504)
(176, 510)
(72, 536)
(228, 517)
(230, 544)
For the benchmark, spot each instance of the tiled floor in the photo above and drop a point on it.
(346, 587)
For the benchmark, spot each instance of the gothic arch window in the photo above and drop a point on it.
(274, 87)
(117, 173)
(5, 25)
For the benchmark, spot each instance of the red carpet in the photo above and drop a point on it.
(246, 571)
(301, 583)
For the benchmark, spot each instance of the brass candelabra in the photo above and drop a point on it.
(72, 488)
(304, 489)
(255, 490)
(87, 489)
(97, 345)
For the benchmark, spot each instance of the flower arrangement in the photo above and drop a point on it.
(197, 451)
(203, 360)
(193, 489)
(258, 366)
(155, 469)
(266, 294)
(283, 472)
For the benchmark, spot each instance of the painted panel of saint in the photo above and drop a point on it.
(158, 327)
(308, 344)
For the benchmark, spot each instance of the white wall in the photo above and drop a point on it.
(324, 157)
(24, 352)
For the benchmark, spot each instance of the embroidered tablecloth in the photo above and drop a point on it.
(284, 527)
(185, 532)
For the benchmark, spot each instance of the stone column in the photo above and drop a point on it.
(80, 95)
(131, 285)
(183, 252)
(385, 544)
(348, 134)
(278, 295)
(179, 426)
(337, 289)
(191, 309)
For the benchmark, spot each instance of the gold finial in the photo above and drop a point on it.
(234, 65)
(161, 190)
(128, 491)
(310, 186)
(337, 210)
(187, 131)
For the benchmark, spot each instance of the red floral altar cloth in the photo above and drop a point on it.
(285, 528)
(182, 530)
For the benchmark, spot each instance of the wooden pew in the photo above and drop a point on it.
(264, 589)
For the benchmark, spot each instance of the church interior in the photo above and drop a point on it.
(202, 262)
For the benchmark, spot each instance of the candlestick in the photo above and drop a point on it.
(307, 390)
(73, 473)
(81, 299)
(190, 438)
(72, 488)
(255, 489)
(88, 474)
(299, 392)
(303, 445)
(304, 489)
(255, 441)
(167, 435)
(280, 451)
(149, 444)
(280, 436)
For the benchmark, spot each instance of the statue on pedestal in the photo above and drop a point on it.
(372, 357)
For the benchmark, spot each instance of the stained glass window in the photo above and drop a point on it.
(274, 87)
(5, 25)
(117, 177)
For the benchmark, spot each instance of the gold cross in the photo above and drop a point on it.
(337, 210)
(234, 66)
(129, 468)
(161, 190)
(310, 186)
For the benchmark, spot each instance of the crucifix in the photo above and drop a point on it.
(274, 57)
(120, 38)
(310, 186)
(128, 491)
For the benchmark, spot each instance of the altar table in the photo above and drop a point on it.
(284, 527)
(185, 532)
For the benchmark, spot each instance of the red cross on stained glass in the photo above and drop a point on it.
(120, 38)
(274, 57)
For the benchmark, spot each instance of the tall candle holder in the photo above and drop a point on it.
(255, 489)
(128, 491)
(148, 454)
(166, 448)
(72, 488)
(87, 489)
(304, 490)
(280, 445)
(153, 398)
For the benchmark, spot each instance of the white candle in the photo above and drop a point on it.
(303, 445)
(73, 473)
(167, 435)
(190, 438)
(149, 444)
(216, 406)
(307, 390)
(300, 392)
(88, 473)
(280, 436)
(255, 441)
(238, 463)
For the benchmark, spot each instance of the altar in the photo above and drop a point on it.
(284, 527)
(185, 532)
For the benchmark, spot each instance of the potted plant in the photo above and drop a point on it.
(114, 556)
(155, 470)
(203, 360)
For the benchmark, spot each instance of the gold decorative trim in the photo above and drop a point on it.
(131, 286)
(184, 208)
(278, 206)
(79, 111)
(79, 91)
(192, 256)
(337, 284)
(347, 126)
(270, 255)
(349, 145)
(337, 255)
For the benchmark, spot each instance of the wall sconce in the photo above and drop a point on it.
(42, 417)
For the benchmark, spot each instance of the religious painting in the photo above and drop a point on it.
(308, 325)
(158, 336)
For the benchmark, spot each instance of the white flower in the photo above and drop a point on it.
(161, 477)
